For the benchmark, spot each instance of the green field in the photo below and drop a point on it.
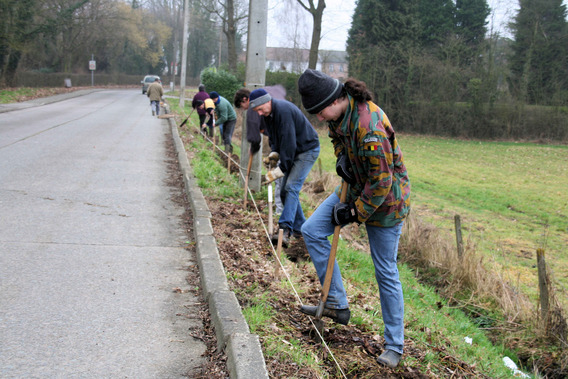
(512, 199)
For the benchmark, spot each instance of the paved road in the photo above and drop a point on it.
(91, 244)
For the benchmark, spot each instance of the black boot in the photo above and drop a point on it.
(389, 358)
(341, 316)
(285, 238)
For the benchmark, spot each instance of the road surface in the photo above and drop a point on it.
(92, 244)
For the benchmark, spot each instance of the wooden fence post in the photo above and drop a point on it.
(459, 239)
(542, 284)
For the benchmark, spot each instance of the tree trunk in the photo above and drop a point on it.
(317, 15)
(231, 34)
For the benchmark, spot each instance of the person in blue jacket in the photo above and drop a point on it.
(296, 141)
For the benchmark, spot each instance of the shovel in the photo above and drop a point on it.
(187, 118)
(318, 322)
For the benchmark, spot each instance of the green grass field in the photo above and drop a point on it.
(512, 199)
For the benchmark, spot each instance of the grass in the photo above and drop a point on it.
(13, 95)
(511, 197)
(430, 322)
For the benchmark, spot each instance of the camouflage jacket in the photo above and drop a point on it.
(382, 191)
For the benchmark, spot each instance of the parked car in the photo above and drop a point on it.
(148, 79)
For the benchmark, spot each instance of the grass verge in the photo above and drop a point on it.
(435, 327)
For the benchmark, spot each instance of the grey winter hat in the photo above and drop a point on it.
(258, 97)
(318, 90)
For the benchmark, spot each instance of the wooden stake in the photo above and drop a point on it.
(459, 239)
(542, 284)
(247, 179)
(278, 250)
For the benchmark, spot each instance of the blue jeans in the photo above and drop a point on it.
(227, 131)
(155, 104)
(292, 216)
(384, 248)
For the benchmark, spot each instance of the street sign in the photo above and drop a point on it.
(92, 65)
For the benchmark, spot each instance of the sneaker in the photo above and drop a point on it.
(341, 316)
(389, 358)
(285, 238)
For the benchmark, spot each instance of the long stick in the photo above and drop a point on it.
(247, 179)
(332, 253)
(330, 264)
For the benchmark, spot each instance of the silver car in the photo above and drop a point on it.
(148, 79)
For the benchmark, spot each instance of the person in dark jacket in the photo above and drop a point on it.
(296, 141)
(209, 120)
(201, 95)
(256, 128)
(370, 160)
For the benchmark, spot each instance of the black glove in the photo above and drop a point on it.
(344, 213)
(344, 169)
(254, 147)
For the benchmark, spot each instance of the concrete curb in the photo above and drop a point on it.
(244, 353)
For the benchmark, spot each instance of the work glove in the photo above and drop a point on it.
(273, 158)
(254, 147)
(344, 169)
(272, 175)
(344, 213)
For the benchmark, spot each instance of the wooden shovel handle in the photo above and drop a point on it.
(333, 251)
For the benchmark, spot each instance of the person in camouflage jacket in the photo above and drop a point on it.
(370, 160)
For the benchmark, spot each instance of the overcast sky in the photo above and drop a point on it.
(289, 23)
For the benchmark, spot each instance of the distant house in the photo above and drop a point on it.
(331, 62)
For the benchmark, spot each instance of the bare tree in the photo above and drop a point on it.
(170, 12)
(296, 33)
(233, 15)
(317, 15)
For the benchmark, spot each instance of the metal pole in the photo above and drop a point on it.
(92, 72)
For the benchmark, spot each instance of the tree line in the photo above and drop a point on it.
(131, 37)
(433, 64)
(437, 69)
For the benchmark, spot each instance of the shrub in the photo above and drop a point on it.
(289, 81)
(220, 81)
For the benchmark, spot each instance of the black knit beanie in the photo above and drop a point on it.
(318, 90)
(258, 97)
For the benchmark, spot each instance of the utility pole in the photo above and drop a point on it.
(255, 78)
(184, 54)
